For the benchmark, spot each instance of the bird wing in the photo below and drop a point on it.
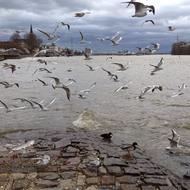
(44, 83)
(109, 73)
(118, 89)
(45, 33)
(92, 85)
(139, 7)
(68, 26)
(57, 81)
(44, 69)
(150, 21)
(25, 100)
(119, 64)
(161, 62)
(41, 107)
(68, 92)
(82, 37)
(115, 36)
(89, 67)
(5, 105)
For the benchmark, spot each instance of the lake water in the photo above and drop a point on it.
(148, 121)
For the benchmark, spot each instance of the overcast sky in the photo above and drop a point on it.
(106, 18)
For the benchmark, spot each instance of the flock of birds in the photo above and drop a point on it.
(141, 10)
(83, 94)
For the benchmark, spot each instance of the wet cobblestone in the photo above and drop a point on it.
(83, 165)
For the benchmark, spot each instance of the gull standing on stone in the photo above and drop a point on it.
(141, 9)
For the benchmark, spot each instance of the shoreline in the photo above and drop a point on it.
(80, 159)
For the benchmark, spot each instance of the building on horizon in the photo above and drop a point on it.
(181, 48)
(19, 46)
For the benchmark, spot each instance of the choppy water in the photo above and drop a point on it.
(146, 121)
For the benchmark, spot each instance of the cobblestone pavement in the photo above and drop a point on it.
(82, 162)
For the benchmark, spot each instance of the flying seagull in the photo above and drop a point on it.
(149, 89)
(25, 100)
(150, 50)
(115, 39)
(44, 69)
(90, 68)
(81, 14)
(42, 61)
(64, 24)
(156, 45)
(9, 66)
(82, 37)
(112, 75)
(8, 85)
(171, 28)
(87, 53)
(58, 84)
(141, 9)
(121, 66)
(180, 92)
(84, 92)
(50, 36)
(157, 67)
(123, 87)
(40, 105)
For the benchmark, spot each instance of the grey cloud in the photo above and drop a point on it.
(106, 18)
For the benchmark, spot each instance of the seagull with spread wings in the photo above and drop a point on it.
(81, 14)
(58, 84)
(157, 67)
(82, 94)
(115, 39)
(121, 66)
(141, 9)
(87, 53)
(8, 85)
(64, 24)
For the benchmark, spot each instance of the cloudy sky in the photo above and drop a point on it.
(106, 18)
